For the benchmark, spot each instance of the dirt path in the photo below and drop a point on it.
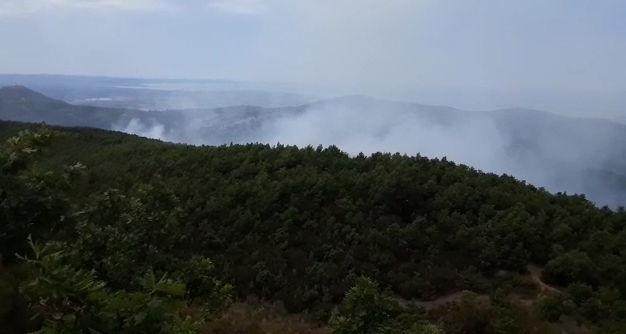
(535, 274)
(431, 304)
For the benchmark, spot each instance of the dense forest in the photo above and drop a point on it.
(104, 232)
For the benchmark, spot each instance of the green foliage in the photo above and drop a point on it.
(70, 300)
(88, 277)
(200, 282)
(569, 268)
(32, 202)
(120, 235)
(298, 225)
(552, 308)
(367, 310)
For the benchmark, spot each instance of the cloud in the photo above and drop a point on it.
(241, 7)
(357, 44)
(379, 47)
(472, 54)
(20, 8)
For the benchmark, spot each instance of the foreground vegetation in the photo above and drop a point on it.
(155, 237)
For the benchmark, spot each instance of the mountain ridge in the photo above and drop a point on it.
(563, 153)
(20, 93)
(14, 93)
(19, 103)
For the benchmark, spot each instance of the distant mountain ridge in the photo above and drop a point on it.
(16, 94)
(157, 94)
(567, 153)
(18, 103)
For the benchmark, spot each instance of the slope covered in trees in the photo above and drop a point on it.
(18, 103)
(301, 225)
(558, 152)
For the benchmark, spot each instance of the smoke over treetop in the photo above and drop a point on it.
(557, 152)
(561, 153)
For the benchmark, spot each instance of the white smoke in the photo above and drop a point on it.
(367, 126)
(137, 127)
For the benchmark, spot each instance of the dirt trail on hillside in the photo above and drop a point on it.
(535, 274)
(435, 303)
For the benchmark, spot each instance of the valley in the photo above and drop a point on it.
(563, 154)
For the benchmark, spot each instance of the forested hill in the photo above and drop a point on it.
(558, 152)
(299, 225)
(18, 103)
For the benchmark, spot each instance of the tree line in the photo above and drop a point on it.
(151, 222)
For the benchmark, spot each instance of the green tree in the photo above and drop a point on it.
(32, 202)
(571, 267)
(200, 283)
(367, 310)
(72, 301)
(116, 270)
(119, 235)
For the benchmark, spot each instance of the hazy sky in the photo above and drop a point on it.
(366, 45)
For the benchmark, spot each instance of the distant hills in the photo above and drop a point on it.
(157, 94)
(18, 103)
(559, 152)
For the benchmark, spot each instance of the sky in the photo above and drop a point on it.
(362, 46)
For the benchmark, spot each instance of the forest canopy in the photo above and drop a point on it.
(302, 226)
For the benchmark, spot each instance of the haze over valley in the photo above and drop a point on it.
(313, 166)
(532, 88)
(558, 152)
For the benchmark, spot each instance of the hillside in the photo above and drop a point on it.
(562, 154)
(18, 103)
(566, 154)
(298, 225)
